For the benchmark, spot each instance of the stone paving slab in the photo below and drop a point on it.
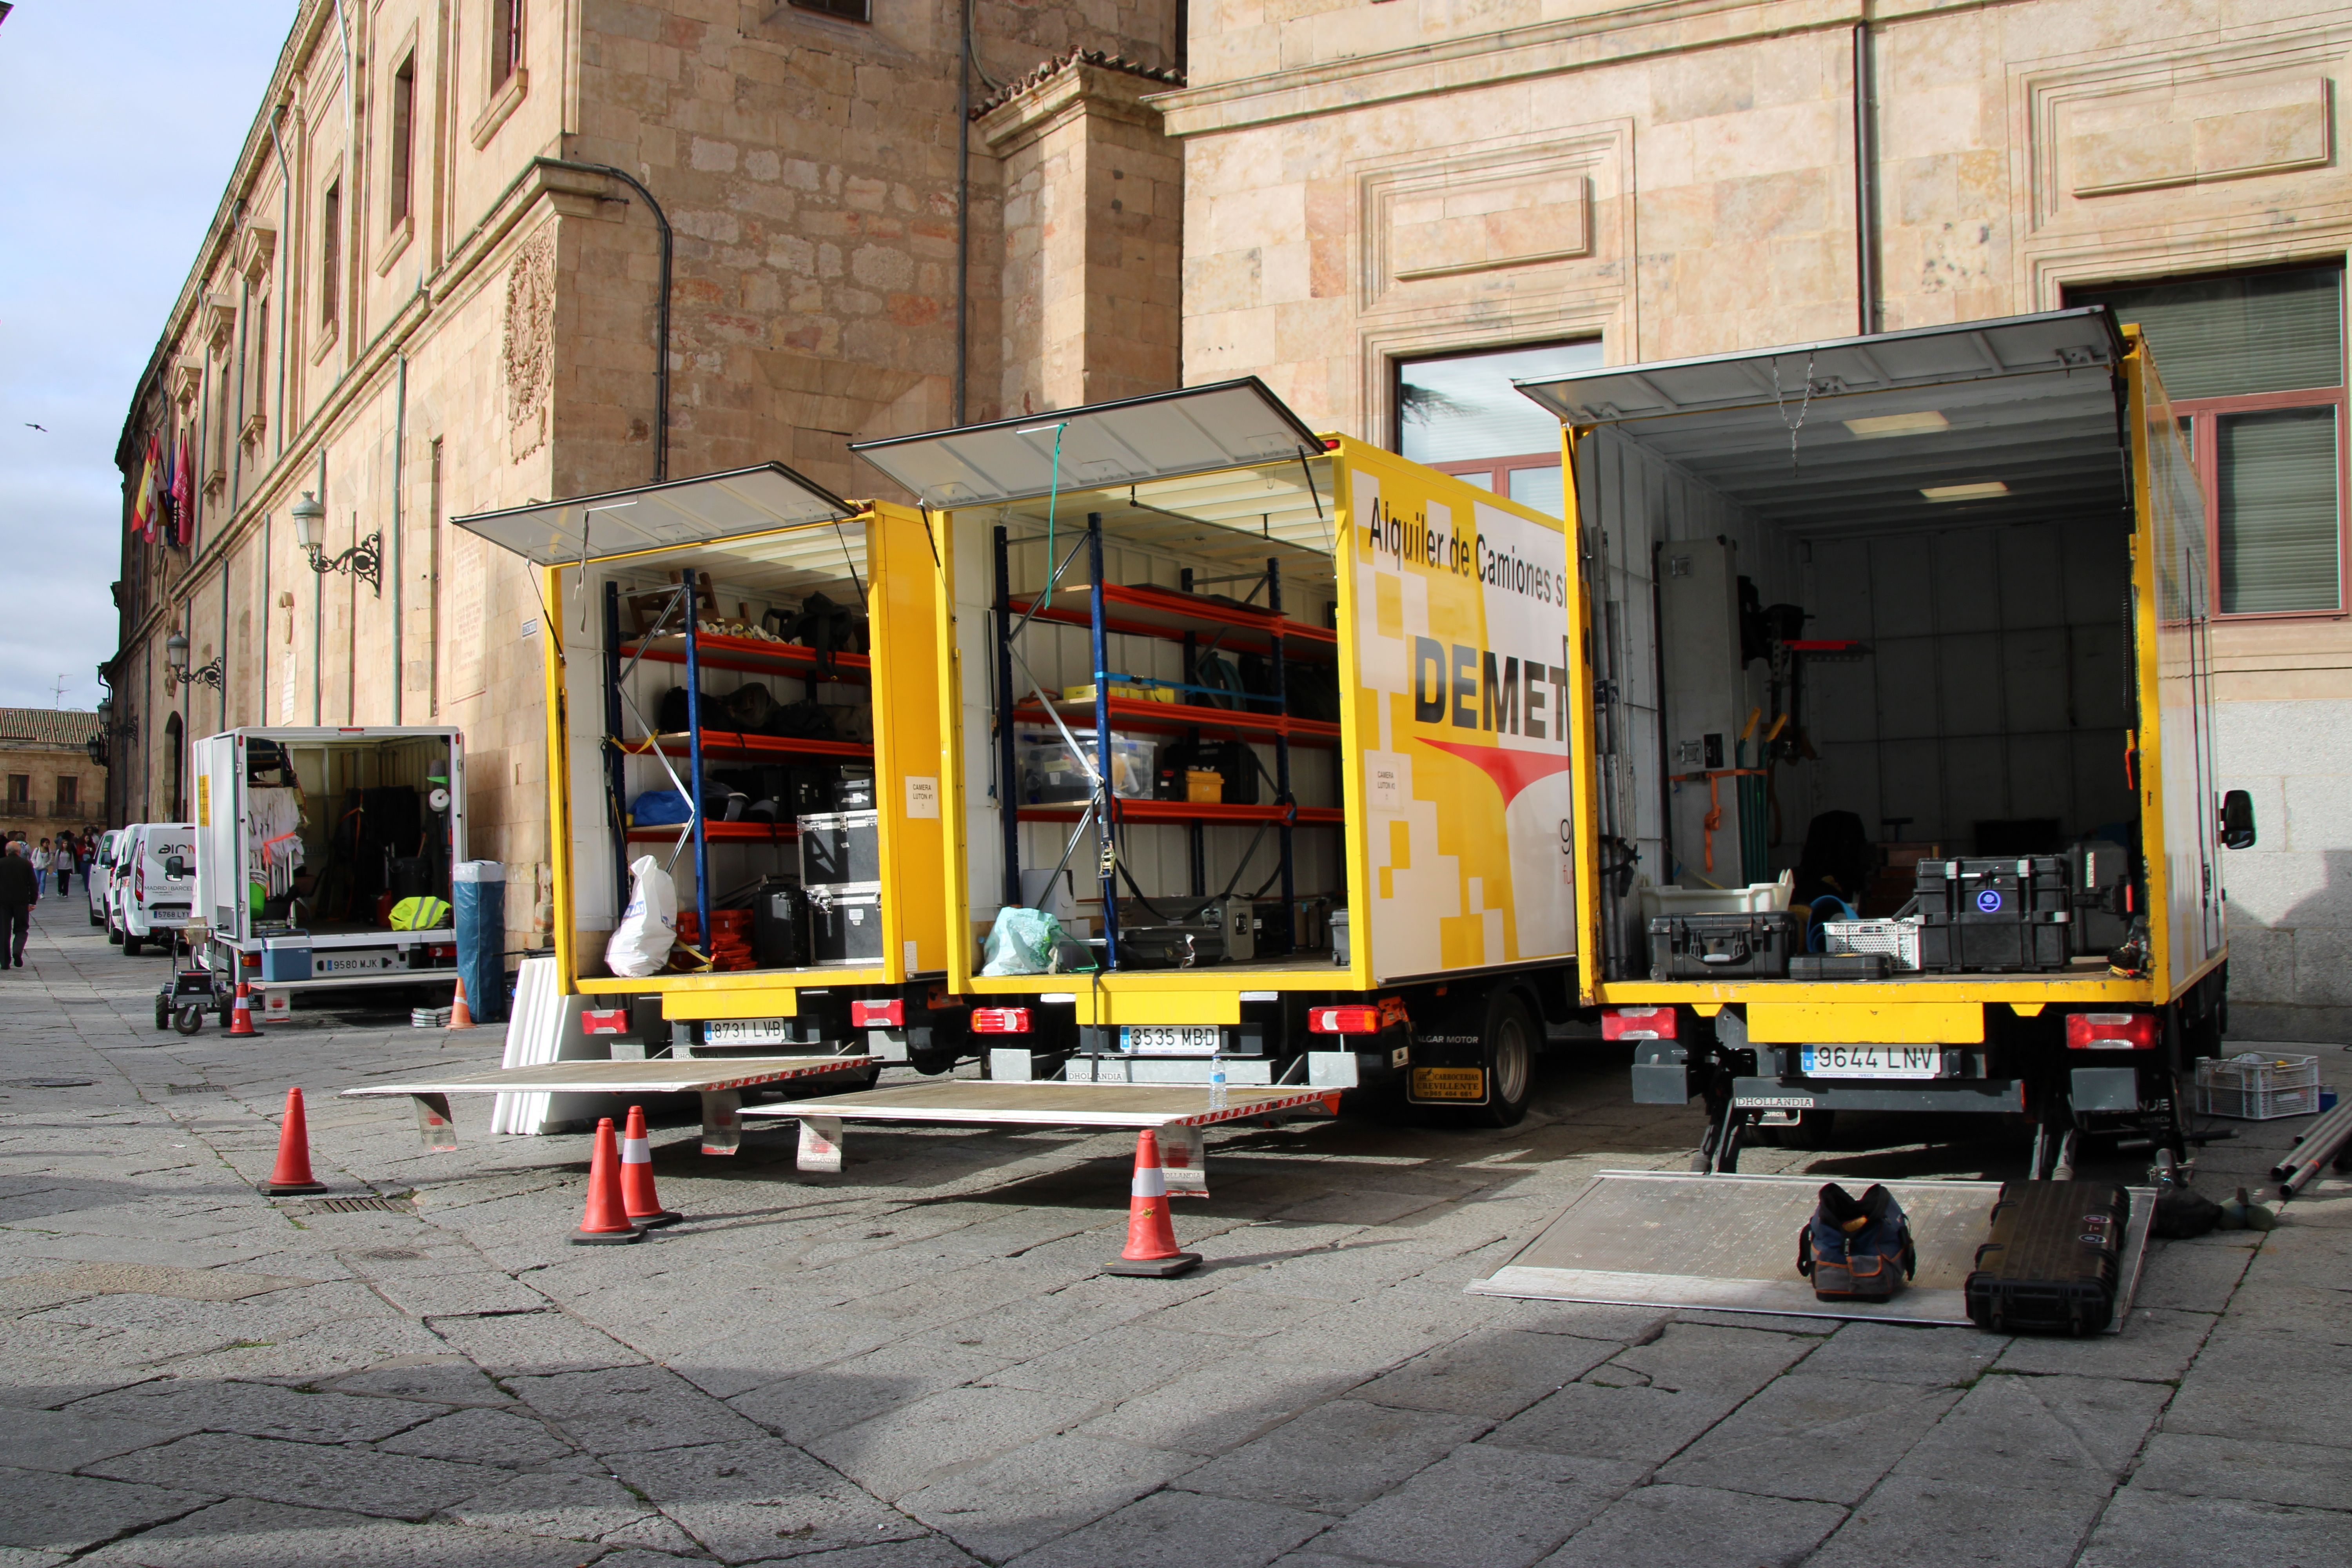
(918, 1363)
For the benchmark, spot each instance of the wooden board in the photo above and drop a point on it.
(1051, 1104)
(686, 1075)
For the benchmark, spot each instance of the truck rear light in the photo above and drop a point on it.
(604, 1020)
(2133, 1031)
(1343, 1020)
(1638, 1024)
(441, 950)
(891, 1015)
(999, 1020)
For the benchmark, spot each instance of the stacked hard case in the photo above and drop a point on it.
(2054, 1263)
(1995, 915)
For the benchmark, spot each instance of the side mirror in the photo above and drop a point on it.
(2237, 820)
(175, 867)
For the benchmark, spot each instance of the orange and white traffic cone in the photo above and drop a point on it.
(460, 1016)
(240, 1017)
(606, 1222)
(1151, 1239)
(638, 1199)
(291, 1175)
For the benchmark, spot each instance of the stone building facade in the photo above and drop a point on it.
(1370, 180)
(49, 779)
(433, 287)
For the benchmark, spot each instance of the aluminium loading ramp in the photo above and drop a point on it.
(1729, 1243)
(1177, 1111)
(721, 1080)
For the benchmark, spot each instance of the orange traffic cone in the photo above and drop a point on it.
(643, 1204)
(1151, 1239)
(292, 1173)
(606, 1222)
(240, 1017)
(460, 1016)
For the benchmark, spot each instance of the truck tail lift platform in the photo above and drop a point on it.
(1179, 1113)
(1920, 622)
(719, 1080)
(1656, 1239)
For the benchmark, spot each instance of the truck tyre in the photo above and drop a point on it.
(96, 918)
(130, 945)
(1508, 1046)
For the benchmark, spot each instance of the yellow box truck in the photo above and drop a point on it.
(1896, 788)
(1274, 726)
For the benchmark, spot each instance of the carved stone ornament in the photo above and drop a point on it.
(528, 350)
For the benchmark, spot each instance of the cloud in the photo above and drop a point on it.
(122, 121)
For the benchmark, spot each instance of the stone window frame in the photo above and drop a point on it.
(399, 153)
(864, 13)
(2202, 414)
(332, 263)
(503, 94)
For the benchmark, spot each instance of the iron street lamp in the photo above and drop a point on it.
(363, 559)
(176, 657)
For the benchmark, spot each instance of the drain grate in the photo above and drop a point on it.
(361, 1205)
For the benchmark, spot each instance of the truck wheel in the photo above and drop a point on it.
(96, 918)
(130, 945)
(1510, 1048)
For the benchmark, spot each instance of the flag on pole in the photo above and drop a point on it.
(142, 500)
(183, 486)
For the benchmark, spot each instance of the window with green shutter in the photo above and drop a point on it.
(2254, 366)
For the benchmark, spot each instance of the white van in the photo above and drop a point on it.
(100, 876)
(154, 880)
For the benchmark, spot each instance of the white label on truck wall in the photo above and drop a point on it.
(922, 798)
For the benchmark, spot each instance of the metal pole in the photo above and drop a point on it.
(1865, 186)
(616, 768)
(1008, 753)
(694, 758)
(1108, 830)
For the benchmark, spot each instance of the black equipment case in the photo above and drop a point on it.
(1994, 915)
(2054, 1261)
(1726, 947)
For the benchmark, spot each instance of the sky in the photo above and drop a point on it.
(121, 120)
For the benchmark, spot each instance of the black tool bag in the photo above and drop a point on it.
(826, 628)
(2055, 1258)
(1856, 1249)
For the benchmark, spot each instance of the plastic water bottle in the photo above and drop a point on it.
(1217, 1084)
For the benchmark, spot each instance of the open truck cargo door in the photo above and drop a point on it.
(1952, 582)
(739, 686)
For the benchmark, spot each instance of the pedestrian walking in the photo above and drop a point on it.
(20, 890)
(61, 861)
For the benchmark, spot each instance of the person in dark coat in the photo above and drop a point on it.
(20, 890)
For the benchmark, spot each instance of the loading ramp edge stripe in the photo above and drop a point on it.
(537, 1080)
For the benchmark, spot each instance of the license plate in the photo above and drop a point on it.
(1169, 1039)
(1874, 1061)
(743, 1032)
(351, 963)
(168, 915)
(1449, 1083)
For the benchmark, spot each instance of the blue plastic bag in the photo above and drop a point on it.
(660, 807)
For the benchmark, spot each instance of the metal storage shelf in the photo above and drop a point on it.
(720, 833)
(732, 745)
(1205, 811)
(1153, 612)
(1173, 718)
(754, 656)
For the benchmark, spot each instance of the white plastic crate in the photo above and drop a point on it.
(2255, 1088)
(1898, 939)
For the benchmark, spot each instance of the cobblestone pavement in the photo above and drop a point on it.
(918, 1363)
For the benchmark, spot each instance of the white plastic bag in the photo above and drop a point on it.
(648, 926)
(1022, 941)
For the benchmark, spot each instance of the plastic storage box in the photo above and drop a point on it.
(1896, 941)
(1049, 772)
(2253, 1088)
(2011, 913)
(1757, 898)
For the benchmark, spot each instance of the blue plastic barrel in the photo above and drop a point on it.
(480, 890)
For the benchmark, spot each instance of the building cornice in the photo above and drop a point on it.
(1512, 54)
(1047, 100)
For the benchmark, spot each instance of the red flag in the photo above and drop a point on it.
(182, 486)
